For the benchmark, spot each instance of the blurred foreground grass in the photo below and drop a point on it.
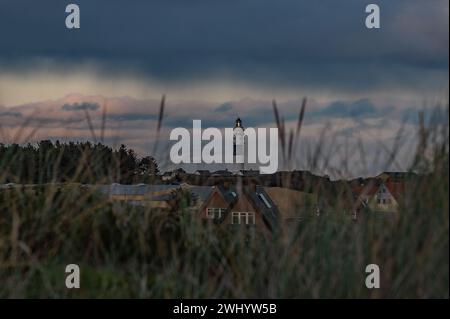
(127, 252)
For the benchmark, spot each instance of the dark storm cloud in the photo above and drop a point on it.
(274, 43)
(80, 106)
(260, 113)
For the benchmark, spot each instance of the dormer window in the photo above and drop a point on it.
(265, 201)
(215, 213)
(247, 218)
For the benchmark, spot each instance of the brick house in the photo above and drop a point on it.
(250, 206)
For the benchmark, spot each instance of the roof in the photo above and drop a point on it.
(395, 188)
(292, 203)
(229, 194)
(369, 189)
(168, 173)
(264, 204)
(8, 185)
(396, 175)
(362, 192)
(164, 197)
(200, 192)
(203, 172)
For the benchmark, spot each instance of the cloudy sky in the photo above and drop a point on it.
(216, 60)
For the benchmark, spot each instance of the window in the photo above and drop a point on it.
(215, 213)
(264, 199)
(243, 218)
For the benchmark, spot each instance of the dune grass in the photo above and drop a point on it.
(132, 252)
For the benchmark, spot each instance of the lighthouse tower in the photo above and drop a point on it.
(238, 146)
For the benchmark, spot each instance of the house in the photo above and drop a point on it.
(167, 176)
(379, 195)
(388, 196)
(7, 186)
(171, 175)
(250, 206)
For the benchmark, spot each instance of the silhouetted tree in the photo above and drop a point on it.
(82, 162)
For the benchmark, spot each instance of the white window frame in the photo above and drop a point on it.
(214, 212)
(247, 218)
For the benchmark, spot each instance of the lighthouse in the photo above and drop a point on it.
(238, 146)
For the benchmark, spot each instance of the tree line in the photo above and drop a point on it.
(82, 162)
